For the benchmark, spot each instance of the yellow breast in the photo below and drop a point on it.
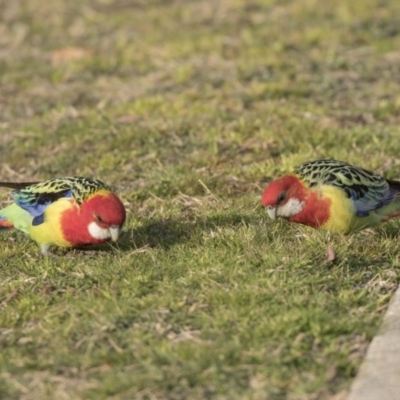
(49, 232)
(343, 216)
(342, 211)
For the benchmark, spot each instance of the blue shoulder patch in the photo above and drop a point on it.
(39, 219)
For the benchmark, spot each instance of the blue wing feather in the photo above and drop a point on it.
(371, 199)
(35, 203)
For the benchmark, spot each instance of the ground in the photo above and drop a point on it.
(187, 109)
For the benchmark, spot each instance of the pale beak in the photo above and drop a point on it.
(114, 232)
(271, 211)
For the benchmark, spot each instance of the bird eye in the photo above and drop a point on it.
(99, 219)
(281, 197)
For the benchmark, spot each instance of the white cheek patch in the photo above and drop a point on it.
(292, 207)
(97, 232)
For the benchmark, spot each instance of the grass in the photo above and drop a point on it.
(188, 108)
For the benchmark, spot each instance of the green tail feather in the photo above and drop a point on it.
(16, 217)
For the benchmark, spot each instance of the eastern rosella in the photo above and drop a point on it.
(66, 212)
(333, 195)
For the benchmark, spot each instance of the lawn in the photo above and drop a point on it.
(188, 109)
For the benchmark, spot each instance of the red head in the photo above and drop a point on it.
(98, 219)
(284, 197)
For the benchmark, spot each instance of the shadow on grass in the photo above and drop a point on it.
(168, 232)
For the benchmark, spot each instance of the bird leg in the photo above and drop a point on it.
(44, 249)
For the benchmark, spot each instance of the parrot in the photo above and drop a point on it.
(66, 212)
(333, 195)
